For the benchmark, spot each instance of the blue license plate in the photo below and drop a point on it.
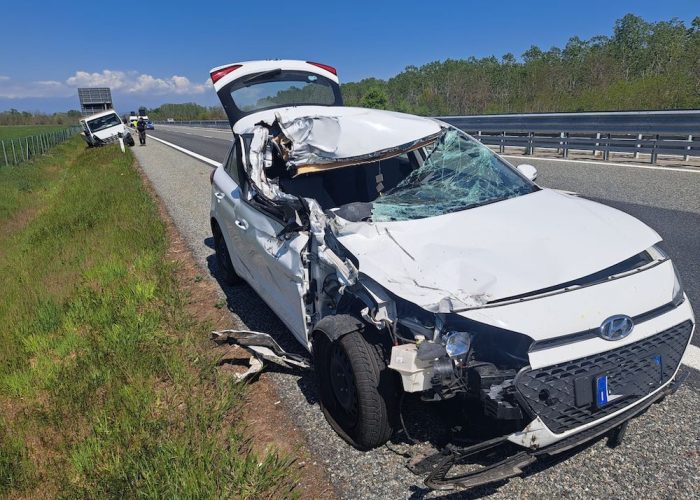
(601, 393)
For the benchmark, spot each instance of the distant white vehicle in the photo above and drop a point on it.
(105, 127)
(407, 257)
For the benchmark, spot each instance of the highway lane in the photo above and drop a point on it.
(666, 200)
(213, 143)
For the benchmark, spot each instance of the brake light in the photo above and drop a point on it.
(220, 73)
(330, 69)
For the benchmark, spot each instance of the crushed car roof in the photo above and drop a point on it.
(327, 137)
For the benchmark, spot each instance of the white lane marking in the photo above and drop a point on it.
(206, 160)
(226, 131)
(178, 130)
(691, 357)
(690, 170)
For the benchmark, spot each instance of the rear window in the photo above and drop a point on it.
(282, 88)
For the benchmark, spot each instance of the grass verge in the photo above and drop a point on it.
(15, 131)
(106, 387)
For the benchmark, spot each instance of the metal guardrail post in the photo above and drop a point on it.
(687, 157)
(636, 153)
(654, 154)
(502, 146)
(529, 148)
(606, 150)
(566, 144)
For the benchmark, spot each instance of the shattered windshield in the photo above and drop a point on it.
(457, 173)
(104, 122)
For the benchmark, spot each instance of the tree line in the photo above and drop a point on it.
(642, 66)
(15, 117)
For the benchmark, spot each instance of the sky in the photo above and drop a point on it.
(151, 52)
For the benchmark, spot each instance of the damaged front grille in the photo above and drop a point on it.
(564, 396)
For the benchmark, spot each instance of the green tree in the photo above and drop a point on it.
(375, 98)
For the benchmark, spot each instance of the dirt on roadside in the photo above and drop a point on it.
(267, 424)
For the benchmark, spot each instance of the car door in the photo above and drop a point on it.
(270, 262)
(226, 194)
(279, 274)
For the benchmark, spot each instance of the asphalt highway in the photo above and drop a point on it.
(659, 458)
(668, 200)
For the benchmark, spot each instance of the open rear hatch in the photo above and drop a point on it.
(249, 87)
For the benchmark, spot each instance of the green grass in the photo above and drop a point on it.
(16, 131)
(106, 385)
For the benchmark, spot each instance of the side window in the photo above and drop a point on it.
(231, 164)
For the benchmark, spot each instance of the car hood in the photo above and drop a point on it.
(465, 259)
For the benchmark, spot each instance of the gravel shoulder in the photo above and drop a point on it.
(660, 456)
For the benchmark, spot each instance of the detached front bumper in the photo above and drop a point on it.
(440, 465)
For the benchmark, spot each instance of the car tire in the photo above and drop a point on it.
(359, 395)
(223, 258)
(130, 142)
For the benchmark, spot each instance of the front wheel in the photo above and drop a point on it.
(223, 258)
(359, 394)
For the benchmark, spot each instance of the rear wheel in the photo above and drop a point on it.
(223, 258)
(359, 394)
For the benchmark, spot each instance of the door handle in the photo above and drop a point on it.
(241, 223)
(219, 196)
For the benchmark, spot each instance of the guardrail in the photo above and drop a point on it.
(197, 123)
(636, 132)
(21, 149)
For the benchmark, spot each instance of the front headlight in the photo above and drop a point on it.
(677, 297)
(457, 344)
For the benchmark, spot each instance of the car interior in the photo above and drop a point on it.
(357, 183)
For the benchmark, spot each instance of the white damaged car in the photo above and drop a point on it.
(408, 257)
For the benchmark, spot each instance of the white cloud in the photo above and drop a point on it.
(121, 82)
(136, 83)
(12, 89)
(116, 80)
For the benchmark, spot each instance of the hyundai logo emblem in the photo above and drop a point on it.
(616, 327)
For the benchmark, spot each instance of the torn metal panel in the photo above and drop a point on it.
(336, 137)
(262, 346)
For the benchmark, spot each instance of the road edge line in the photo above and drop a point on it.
(199, 157)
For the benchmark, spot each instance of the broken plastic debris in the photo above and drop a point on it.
(256, 366)
(263, 348)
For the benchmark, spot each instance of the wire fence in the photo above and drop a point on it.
(22, 149)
